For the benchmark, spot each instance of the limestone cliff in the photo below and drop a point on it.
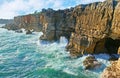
(97, 28)
(56, 24)
(91, 28)
(52, 23)
(27, 22)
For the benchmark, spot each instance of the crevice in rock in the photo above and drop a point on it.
(107, 45)
(114, 5)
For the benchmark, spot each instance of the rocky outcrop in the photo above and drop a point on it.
(28, 32)
(27, 22)
(97, 28)
(57, 23)
(91, 28)
(112, 71)
(52, 23)
(91, 63)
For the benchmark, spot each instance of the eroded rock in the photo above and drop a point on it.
(112, 71)
(94, 29)
(28, 32)
(91, 63)
(91, 28)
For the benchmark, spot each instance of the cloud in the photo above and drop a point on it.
(87, 1)
(11, 8)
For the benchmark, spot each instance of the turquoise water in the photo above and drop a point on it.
(23, 56)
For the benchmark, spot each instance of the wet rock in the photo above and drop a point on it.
(112, 71)
(90, 63)
(28, 32)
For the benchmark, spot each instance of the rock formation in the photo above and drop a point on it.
(56, 24)
(52, 23)
(97, 28)
(112, 71)
(91, 28)
(28, 32)
(91, 63)
(27, 22)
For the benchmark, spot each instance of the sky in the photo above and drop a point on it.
(11, 8)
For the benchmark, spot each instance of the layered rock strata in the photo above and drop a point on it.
(97, 29)
(52, 23)
(91, 28)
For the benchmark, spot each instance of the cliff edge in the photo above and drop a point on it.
(91, 28)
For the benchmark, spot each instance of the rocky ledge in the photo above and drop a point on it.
(97, 29)
(90, 29)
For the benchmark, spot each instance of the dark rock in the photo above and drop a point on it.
(119, 50)
(28, 32)
(91, 63)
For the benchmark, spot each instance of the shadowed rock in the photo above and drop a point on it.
(90, 63)
(91, 29)
(28, 32)
(96, 29)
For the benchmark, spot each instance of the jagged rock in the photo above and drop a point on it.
(115, 29)
(28, 32)
(112, 71)
(91, 63)
(56, 24)
(91, 28)
(11, 26)
(94, 29)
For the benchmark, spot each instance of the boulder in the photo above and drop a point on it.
(28, 32)
(90, 63)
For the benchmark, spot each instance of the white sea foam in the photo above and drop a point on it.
(33, 53)
(2, 25)
(67, 70)
(63, 40)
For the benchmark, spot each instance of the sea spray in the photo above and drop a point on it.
(23, 56)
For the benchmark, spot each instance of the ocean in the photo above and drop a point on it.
(25, 56)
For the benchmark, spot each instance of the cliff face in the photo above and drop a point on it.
(112, 71)
(97, 29)
(92, 28)
(27, 22)
(56, 24)
(52, 23)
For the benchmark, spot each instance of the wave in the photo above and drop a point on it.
(25, 55)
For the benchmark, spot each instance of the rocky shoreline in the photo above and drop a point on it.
(90, 29)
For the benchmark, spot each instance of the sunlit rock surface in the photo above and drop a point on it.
(112, 71)
(90, 29)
